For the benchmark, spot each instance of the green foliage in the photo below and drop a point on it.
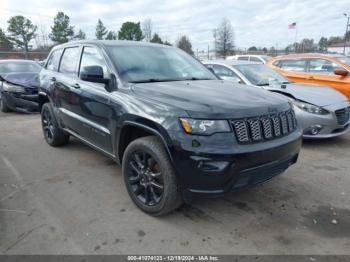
(61, 31)
(156, 39)
(21, 31)
(167, 43)
(101, 30)
(184, 43)
(130, 31)
(111, 35)
(252, 48)
(80, 35)
(5, 43)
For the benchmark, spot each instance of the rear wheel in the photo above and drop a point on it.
(150, 178)
(3, 105)
(53, 134)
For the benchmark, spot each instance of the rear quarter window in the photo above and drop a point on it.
(297, 65)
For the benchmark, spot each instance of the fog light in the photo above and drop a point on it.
(313, 130)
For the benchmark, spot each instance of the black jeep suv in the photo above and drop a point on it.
(177, 130)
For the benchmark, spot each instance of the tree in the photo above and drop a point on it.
(130, 31)
(252, 49)
(156, 39)
(111, 35)
(101, 30)
(224, 38)
(5, 43)
(80, 35)
(147, 29)
(167, 43)
(184, 43)
(307, 45)
(335, 40)
(21, 31)
(264, 50)
(322, 44)
(61, 31)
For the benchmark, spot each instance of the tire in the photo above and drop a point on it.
(53, 134)
(3, 105)
(146, 167)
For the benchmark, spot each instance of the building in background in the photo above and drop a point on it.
(339, 48)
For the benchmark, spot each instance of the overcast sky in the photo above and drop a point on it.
(256, 22)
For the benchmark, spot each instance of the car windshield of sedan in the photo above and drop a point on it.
(261, 75)
(142, 64)
(18, 67)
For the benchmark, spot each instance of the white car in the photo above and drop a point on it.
(252, 58)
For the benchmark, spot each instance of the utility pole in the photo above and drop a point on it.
(346, 30)
(208, 53)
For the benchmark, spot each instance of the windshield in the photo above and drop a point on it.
(261, 75)
(19, 67)
(139, 64)
(345, 60)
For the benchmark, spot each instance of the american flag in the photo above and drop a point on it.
(292, 25)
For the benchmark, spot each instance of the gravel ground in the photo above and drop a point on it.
(72, 200)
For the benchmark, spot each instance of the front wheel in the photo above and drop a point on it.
(3, 105)
(53, 134)
(150, 178)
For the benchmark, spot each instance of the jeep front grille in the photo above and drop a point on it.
(257, 129)
(343, 115)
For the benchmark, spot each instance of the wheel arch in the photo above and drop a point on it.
(132, 130)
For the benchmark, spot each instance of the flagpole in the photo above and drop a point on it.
(296, 33)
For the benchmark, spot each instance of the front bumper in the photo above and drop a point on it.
(225, 166)
(21, 102)
(327, 125)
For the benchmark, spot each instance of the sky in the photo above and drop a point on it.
(255, 22)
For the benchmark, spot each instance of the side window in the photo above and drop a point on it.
(243, 58)
(69, 61)
(91, 57)
(222, 71)
(255, 59)
(54, 60)
(321, 66)
(293, 65)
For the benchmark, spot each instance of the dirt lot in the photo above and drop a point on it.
(71, 200)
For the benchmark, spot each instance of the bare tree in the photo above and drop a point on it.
(184, 43)
(224, 39)
(147, 29)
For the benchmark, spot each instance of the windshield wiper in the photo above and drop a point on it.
(197, 78)
(154, 80)
(263, 84)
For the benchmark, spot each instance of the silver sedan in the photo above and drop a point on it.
(322, 112)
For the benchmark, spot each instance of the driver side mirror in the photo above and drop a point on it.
(93, 74)
(340, 71)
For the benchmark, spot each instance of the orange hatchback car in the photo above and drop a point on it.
(322, 69)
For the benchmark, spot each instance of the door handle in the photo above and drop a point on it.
(76, 86)
(53, 79)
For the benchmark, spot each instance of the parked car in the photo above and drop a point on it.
(321, 111)
(322, 69)
(177, 130)
(19, 85)
(253, 58)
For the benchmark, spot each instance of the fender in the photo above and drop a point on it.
(149, 129)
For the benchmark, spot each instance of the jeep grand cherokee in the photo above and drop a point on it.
(176, 129)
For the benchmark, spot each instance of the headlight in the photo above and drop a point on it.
(204, 127)
(310, 108)
(12, 88)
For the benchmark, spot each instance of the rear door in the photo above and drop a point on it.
(66, 93)
(293, 69)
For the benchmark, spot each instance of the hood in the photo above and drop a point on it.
(313, 94)
(213, 98)
(30, 80)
